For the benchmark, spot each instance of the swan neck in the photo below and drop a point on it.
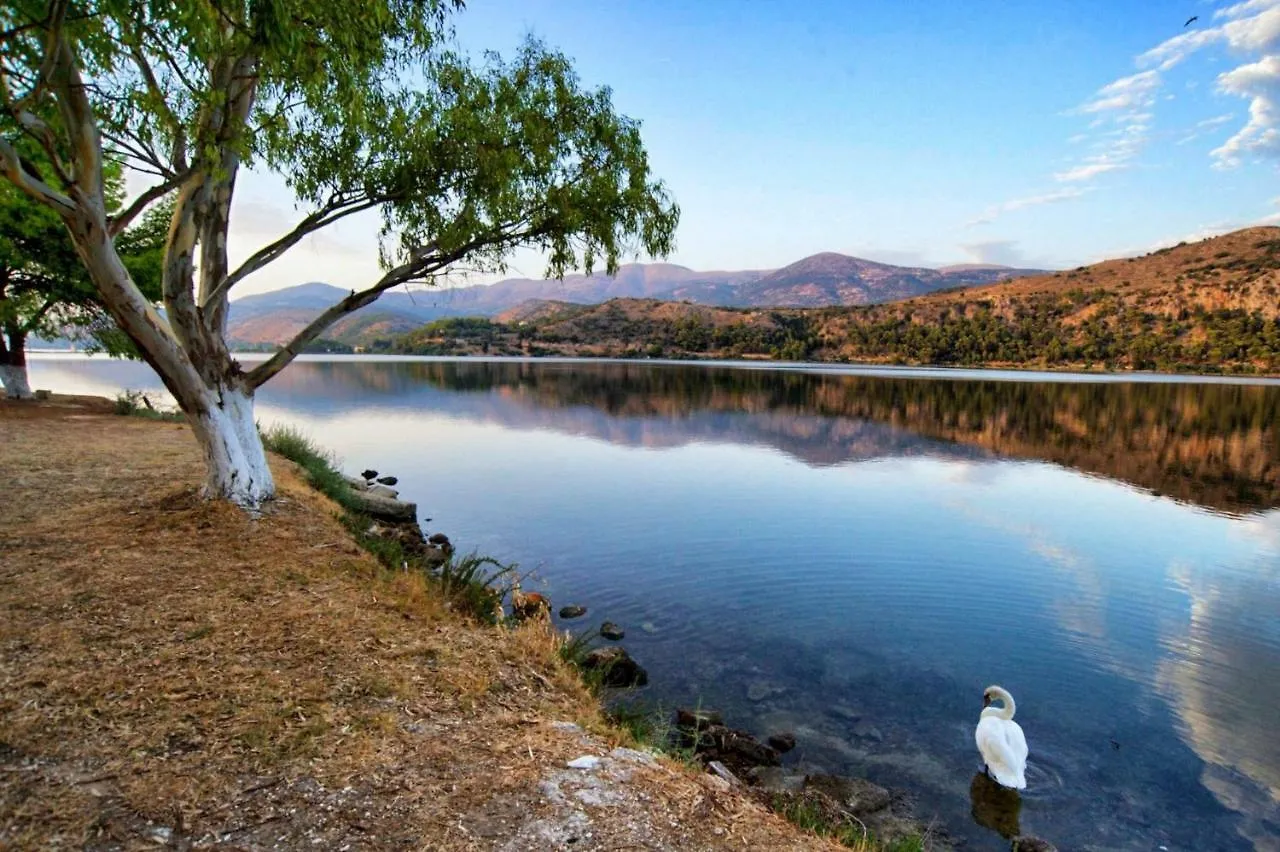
(1007, 711)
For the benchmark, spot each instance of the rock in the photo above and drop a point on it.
(649, 627)
(527, 605)
(387, 480)
(867, 731)
(357, 483)
(782, 743)
(439, 538)
(698, 720)
(776, 779)
(572, 611)
(384, 509)
(611, 631)
(759, 690)
(737, 750)
(616, 667)
(723, 771)
(587, 761)
(855, 795)
(369, 474)
(383, 491)
(1027, 843)
(43, 395)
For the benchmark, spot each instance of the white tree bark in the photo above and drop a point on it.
(234, 456)
(14, 379)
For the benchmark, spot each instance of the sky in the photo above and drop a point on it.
(920, 133)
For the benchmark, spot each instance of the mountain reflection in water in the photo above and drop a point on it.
(867, 552)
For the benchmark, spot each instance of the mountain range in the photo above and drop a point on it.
(822, 280)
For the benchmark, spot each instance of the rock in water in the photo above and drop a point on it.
(369, 474)
(783, 743)
(1027, 843)
(440, 539)
(697, 720)
(611, 631)
(572, 611)
(616, 667)
(388, 480)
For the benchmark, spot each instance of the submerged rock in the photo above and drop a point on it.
(855, 795)
(1027, 843)
(783, 742)
(616, 667)
(697, 720)
(572, 611)
(611, 631)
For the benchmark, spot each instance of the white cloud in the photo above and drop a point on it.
(1086, 171)
(1127, 93)
(1259, 81)
(1054, 197)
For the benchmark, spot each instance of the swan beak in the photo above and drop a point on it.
(986, 700)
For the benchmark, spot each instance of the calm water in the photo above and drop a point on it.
(854, 557)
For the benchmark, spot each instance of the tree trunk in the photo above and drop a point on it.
(235, 460)
(217, 400)
(13, 366)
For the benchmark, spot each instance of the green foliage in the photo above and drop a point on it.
(816, 814)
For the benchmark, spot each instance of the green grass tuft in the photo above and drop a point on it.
(134, 403)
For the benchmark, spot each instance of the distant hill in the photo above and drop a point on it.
(821, 280)
(1207, 306)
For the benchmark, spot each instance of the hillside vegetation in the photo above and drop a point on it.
(1208, 306)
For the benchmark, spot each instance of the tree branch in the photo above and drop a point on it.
(121, 220)
(321, 218)
(11, 165)
(405, 272)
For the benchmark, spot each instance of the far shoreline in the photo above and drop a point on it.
(1065, 375)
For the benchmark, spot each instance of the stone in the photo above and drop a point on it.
(698, 720)
(723, 771)
(528, 605)
(776, 779)
(1027, 843)
(357, 483)
(758, 690)
(855, 795)
(782, 743)
(383, 491)
(384, 509)
(572, 611)
(369, 474)
(387, 480)
(611, 631)
(587, 762)
(439, 538)
(867, 731)
(616, 667)
(43, 395)
(649, 627)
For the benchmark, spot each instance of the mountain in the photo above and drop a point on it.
(827, 279)
(1210, 306)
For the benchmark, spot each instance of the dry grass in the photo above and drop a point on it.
(172, 671)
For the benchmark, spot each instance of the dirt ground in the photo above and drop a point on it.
(175, 674)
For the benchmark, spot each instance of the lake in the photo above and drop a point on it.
(854, 555)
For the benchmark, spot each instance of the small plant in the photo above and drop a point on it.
(475, 584)
(134, 403)
(320, 465)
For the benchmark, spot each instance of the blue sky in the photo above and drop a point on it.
(918, 132)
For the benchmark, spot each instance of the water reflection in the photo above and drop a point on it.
(854, 557)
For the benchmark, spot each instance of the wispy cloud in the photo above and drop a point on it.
(1127, 93)
(1086, 171)
(1200, 128)
(1250, 29)
(993, 213)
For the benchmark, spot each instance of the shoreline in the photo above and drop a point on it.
(992, 372)
(324, 667)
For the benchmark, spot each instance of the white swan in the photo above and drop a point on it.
(1001, 741)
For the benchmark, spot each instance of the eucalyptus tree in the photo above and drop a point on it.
(45, 290)
(360, 107)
